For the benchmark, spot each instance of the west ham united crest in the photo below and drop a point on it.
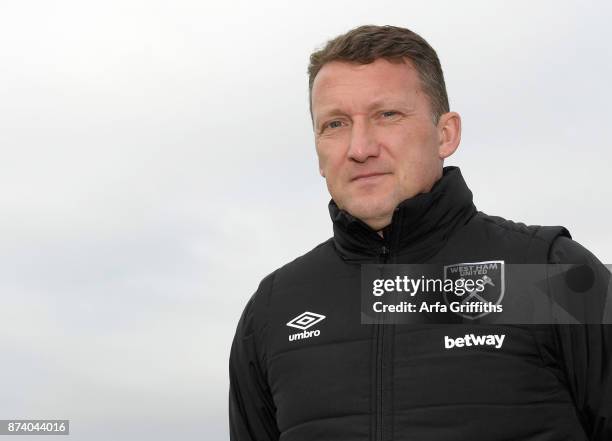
(477, 285)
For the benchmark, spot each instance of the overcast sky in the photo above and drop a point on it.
(157, 161)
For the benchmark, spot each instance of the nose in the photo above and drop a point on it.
(363, 142)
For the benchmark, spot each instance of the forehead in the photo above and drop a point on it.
(352, 84)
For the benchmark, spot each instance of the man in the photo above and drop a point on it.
(382, 129)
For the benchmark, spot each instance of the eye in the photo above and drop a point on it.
(332, 125)
(389, 113)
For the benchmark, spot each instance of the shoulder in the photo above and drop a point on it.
(503, 224)
(320, 262)
(508, 226)
(581, 262)
(306, 265)
(567, 250)
(514, 242)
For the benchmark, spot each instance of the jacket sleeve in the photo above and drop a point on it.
(586, 349)
(251, 408)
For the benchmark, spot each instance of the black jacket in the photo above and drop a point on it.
(343, 380)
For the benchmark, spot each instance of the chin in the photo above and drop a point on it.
(370, 208)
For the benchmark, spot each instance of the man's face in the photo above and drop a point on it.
(375, 138)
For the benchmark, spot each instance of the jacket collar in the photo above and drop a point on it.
(419, 227)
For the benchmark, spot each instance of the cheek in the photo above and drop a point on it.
(415, 147)
(330, 156)
(321, 154)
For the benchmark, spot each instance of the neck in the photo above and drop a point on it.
(419, 224)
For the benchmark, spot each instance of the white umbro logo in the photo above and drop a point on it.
(304, 321)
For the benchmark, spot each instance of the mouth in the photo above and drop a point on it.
(368, 177)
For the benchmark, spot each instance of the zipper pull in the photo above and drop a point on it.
(384, 255)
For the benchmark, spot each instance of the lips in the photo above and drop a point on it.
(367, 175)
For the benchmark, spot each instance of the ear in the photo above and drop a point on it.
(449, 131)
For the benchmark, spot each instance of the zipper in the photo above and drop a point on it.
(380, 332)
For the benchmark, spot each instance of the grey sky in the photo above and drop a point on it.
(158, 161)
